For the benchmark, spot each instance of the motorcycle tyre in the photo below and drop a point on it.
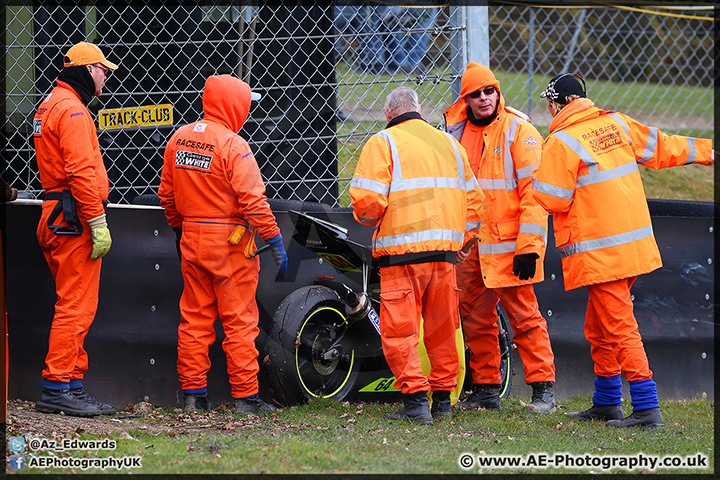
(292, 373)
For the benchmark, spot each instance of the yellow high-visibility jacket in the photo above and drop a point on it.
(503, 156)
(413, 183)
(589, 179)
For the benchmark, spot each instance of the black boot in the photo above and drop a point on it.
(543, 400)
(483, 395)
(604, 413)
(645, 419)
(80, 393)
(57, 401)
(416, 409)
(441, 406)
(243, 406)
(197, 402)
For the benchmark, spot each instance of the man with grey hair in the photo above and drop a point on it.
(414, 185)
(401, 100)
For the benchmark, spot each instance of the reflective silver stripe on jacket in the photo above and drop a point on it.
(597, 177)
(510, 181)
(525, 172)
(652, 142)
(650, 146)
(692, 156)
(414, 237)
(399, 183)
(509, 247)
(473, 225)
(371, 185)
(495, 183)
(606, 242)
(533, 228)
(578, 148)
(496, 248)
(622, 123)
(552, 190)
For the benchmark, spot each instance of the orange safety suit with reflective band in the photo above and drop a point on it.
(68, 157)
(210, 184)
(589, 179)
(503, 155)
(414, 184)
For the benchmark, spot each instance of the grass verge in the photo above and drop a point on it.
(325, 437)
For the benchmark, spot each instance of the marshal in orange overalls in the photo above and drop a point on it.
(210, 185)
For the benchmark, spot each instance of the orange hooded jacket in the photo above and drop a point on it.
(68, 151)
(214, 167)
(503, 156)
(414, 184)
(589, 180)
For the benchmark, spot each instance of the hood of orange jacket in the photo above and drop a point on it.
(226, 100)
(578, 110)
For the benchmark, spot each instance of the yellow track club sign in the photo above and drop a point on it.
(135, 117)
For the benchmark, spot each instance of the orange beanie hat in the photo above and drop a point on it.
(477, 76)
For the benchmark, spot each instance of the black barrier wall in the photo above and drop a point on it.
(132, 343)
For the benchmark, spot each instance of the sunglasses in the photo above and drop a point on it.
(106, 71)
(487, 91)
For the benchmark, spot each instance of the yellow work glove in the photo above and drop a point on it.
(238, 234)
(100, 237)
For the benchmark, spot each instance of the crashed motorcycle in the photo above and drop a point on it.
(324, 339)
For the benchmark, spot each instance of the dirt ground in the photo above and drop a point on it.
(23, 420)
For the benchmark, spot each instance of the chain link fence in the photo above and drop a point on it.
(325, 71)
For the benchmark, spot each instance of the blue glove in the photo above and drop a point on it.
(279, 255)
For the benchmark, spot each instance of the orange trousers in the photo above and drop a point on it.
(219, 282)
(612, 330)
(409, 292)
(479, 318)
(77, 283)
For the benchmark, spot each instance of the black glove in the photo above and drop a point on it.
(524, 265)
(178, 236)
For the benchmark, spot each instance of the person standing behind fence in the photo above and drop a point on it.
(72, 233)
(589, 179)
(504, 151)
(413, 184)
(214, 199)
